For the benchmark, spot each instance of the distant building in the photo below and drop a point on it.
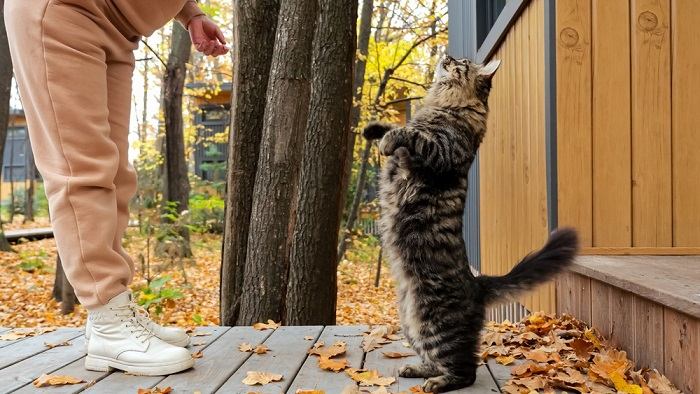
(18, 161)
(212, 119)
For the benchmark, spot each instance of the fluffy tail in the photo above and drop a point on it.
(376, 130)
(536, 268)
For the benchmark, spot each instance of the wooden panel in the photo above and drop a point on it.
(654, 251)
(573, 20)
(648, 326)
(24, 372)
(219, 361)
(622, 320)
(512, 156)
(686, 123)
(310, 376)
(682, 350)
(288, 352)
(612, 205)
(31, 346)
(574, 296)
(651, 123)
(118, 382)
(600, 308)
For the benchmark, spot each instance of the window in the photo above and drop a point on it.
(487, 13)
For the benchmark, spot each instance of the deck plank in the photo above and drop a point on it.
(288, 351)
(24, 372)
(220, 360)
(119, 382)
(390, 367)
(310, 376)
(21, 350)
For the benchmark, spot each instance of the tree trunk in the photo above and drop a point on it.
(29, 191)
(358, 84)
(356, 200)
(255, 23)
(286, 109)
(5, 93)
(62, 290)
(312, 289)
(177, 185)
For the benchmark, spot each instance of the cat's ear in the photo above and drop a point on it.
(489, 70)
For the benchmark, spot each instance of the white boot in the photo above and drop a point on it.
(118, 340)
(173, 335)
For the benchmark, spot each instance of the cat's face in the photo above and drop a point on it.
(459, 81)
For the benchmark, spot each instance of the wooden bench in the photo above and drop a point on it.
(646, 305)
(222, 366)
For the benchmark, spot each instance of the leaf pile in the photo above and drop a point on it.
(550, 353)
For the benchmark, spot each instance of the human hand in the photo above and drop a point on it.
(206, 36)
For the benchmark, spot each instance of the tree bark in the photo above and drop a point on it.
(5, 93)
(255, 23)
(62, 290)
(312, 289)
(286, 109)
(358, 84)
(177, 185)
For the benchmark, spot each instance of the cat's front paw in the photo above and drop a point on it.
(409, 371)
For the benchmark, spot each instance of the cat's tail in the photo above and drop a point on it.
(536, 268)
(376, 130)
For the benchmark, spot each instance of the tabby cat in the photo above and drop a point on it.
(423, 187)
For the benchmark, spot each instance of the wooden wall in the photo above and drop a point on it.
(628, 77)
(513, 203)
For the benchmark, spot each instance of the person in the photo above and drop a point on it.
(73, 61)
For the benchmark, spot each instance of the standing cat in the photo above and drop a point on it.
(422, 192)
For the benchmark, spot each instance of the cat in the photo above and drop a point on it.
(423, 187)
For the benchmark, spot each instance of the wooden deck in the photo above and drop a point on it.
(222, 366)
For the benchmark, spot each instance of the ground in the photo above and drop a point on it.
(25, 297)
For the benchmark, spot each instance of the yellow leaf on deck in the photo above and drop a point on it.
(55, 380)
(157, 390)
(332, 364)
(261, 349)
(53, 345)
(505, 360)
(309, 338)
(335, 349)
(622, 386)
(303, 391)
(245, 347)
(417, 390)
(197, 354)
(369, 378)
(270, 325)
(398, 354)
(253, 377)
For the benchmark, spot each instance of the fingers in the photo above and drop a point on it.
(211, 48)
(220, 36)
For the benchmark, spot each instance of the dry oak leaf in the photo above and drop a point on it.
(308, 338)
(332, 364)
(505, 360)
(394, 337)
(528, 369)
(261, 349)
(157, 390)
(376, 338)
(265, 326)
(245, 347)
(582, 347)
(604, 364)
(369, 378)
(198, 354)
(335, 349)
(53, 345)
(537, 355)
(660, 384)
(417, 390)
(381, 390)
(55, 380)
(493, 338)
(253, 377)
(304, 391)
(398, 354)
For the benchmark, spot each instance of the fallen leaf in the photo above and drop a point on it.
(304, 391)
(245, 347)
(252, 378)
(660, 384)
(261, 349)
(333, 364)
(157, 390)
(394, 337)
(376, 338)
(369, 378)
(53, 345)
(418, 389)
(406, 344)
(381, 390)
(537, 355)
(309, 338)
(197, 354)
(335, 349)
(200, 334)
(55, 380)
(271, 325)
(582, 347)
(622, 386)
(398, 354)
(505, 360)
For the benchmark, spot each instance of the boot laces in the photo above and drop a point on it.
(129, 315)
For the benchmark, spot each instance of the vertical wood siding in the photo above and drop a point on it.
(513, 185)
(628, 73)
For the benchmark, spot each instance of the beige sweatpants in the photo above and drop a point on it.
(73, 64)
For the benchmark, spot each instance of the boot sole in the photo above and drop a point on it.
(183, 343)
(106, 364)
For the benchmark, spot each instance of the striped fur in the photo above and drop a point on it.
(423, 188)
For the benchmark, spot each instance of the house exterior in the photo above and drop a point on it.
(592, 125)
(18, 161)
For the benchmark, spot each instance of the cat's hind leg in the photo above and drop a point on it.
(423, 370)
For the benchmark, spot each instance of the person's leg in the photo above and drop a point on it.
(59, 58)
